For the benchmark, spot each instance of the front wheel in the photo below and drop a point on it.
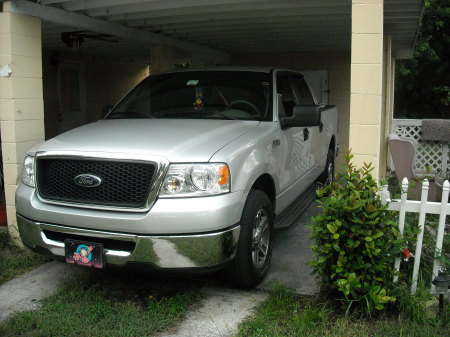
(254, 249)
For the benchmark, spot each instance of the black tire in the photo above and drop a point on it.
(327, 176)
(250, 264)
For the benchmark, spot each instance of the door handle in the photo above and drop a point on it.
(305, 134)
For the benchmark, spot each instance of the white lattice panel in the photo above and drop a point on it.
(429, 153)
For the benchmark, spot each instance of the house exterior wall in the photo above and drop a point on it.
(338, 65)
(107, 81)
(21, 103)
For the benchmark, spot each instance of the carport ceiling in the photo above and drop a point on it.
(234, 26)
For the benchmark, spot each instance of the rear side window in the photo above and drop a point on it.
(304, 93)
(287, 96)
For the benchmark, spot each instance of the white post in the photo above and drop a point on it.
(440, 232)
(401, 224)
(418, 251)
(384, 194)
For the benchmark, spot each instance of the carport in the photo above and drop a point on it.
(61, 61)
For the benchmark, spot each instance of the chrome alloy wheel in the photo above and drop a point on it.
(261, 238)
(330, 173)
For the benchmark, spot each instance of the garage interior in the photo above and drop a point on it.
(70, 59)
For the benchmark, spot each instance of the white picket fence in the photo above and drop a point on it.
(422, 207)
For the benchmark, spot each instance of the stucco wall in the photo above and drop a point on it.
(107, 81)
(336, 62)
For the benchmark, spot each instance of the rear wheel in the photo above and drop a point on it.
(254, 249)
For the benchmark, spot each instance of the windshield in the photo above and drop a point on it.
(237, 95)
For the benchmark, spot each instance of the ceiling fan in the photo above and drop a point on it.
(76, 38)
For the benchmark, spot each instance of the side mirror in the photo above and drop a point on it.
(303, 115)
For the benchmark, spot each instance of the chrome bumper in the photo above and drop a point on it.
(161, 251)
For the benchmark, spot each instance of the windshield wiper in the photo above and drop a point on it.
(129, 114)
(198, 113)
(219, 113)
(224, 115)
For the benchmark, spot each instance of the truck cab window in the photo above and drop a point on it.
(303, 92)
(287, 95)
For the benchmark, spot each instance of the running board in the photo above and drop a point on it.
(294, 210)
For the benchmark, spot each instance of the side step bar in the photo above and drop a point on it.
(294, 210)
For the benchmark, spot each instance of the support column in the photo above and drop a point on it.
(162, 58)
(366, 82)
(388, 107)
(21, 99)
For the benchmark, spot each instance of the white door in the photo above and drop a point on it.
(72, 96)
(305, 97)
(296, 159)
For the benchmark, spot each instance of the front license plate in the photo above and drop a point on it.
(83, 253)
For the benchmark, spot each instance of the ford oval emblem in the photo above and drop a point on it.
(87, 180)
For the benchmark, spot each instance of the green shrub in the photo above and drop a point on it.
(356, 239)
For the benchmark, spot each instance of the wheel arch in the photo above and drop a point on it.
(266, 184)
(333, 143)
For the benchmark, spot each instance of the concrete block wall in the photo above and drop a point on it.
(21, 99)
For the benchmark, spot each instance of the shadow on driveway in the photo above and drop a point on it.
(291, 253)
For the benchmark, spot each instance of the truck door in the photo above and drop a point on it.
(318, 149)
(296, 159)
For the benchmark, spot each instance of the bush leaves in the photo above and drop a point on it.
(356, 239)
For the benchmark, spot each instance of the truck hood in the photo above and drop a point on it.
(186, 140)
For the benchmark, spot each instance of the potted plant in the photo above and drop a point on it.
(439, 180)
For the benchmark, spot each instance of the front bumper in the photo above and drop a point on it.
(161, 251)
(169, 216)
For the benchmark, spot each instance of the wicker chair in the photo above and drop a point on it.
(403, 151)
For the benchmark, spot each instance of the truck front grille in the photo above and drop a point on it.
(124, 183)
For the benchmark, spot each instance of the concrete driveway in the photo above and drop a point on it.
(291, 253)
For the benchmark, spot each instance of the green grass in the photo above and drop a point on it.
(107, 304)
(15, 261)
(284, 314)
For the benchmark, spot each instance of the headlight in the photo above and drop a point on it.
(28, 171)
(196, 180)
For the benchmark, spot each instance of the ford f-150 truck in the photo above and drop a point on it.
(187, 172)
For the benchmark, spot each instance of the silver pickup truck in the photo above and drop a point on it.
(188, 172)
